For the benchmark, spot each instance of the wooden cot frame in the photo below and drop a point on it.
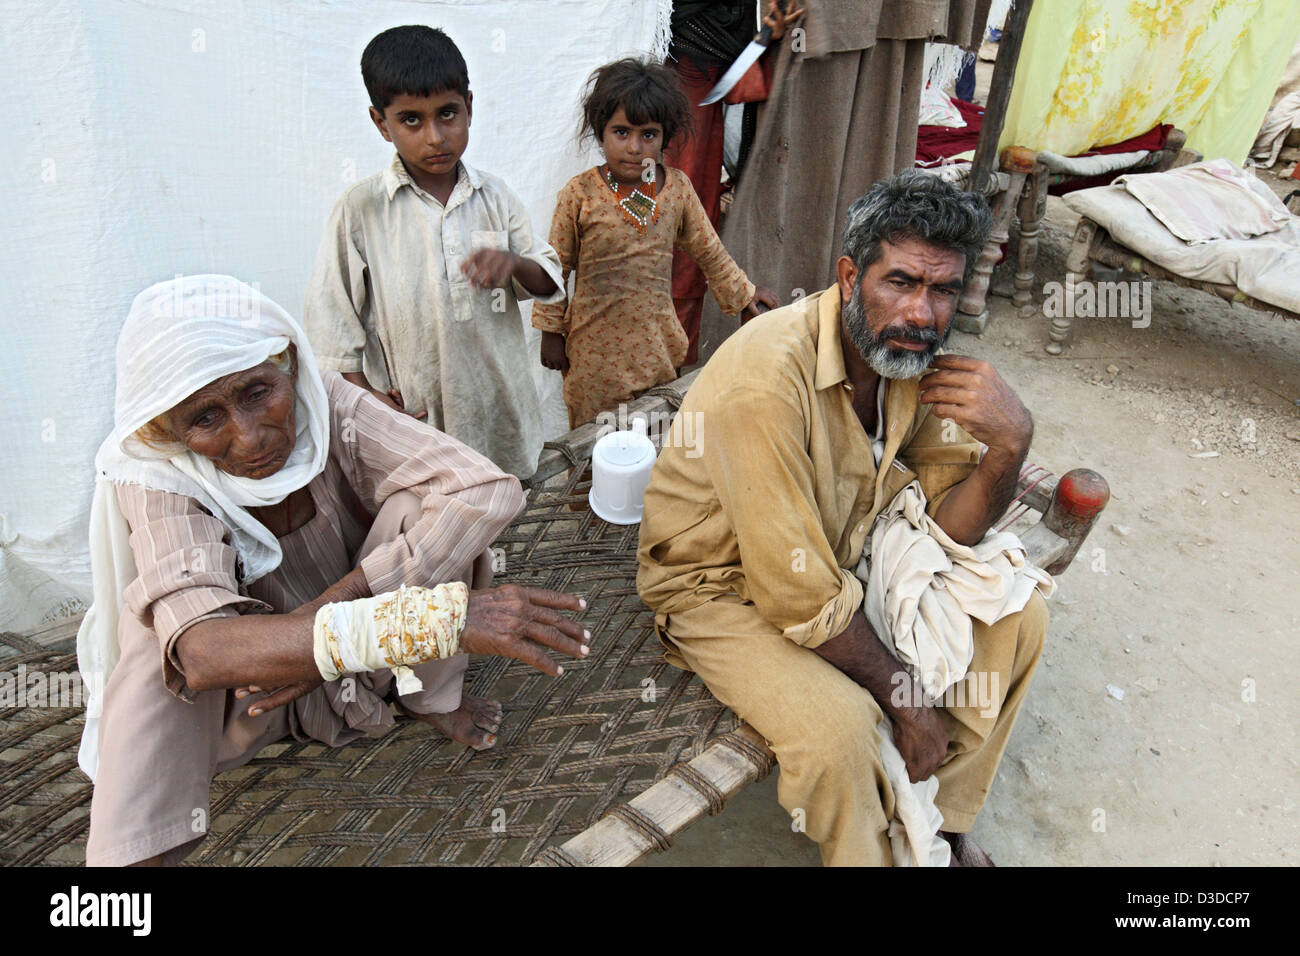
(1092, 243)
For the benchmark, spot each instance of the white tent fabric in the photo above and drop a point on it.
(144, 140)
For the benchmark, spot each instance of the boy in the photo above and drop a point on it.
(415, 290)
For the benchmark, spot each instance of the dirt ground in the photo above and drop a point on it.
(1158, 730)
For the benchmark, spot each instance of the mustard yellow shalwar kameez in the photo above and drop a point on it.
(748, 544)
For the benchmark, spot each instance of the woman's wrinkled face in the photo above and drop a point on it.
(243, 422)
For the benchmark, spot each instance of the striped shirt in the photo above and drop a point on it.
(186, 564)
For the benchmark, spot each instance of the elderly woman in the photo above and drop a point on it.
(276, 553)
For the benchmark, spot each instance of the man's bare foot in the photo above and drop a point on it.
(964, 850)
(474, 723)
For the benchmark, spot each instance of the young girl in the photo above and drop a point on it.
(617, 225)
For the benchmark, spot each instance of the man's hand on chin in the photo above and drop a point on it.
(973, 394)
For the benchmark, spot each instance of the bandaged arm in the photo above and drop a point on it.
(394, 630)
(467, 502)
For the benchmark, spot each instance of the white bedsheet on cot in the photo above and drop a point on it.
(1264, 266)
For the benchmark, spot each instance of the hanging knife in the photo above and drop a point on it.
(748, 57)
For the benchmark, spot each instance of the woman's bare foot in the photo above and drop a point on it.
(474, 723)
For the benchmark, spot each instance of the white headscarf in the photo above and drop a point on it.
(180, 336)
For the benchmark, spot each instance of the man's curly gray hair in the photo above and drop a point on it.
(915, 205)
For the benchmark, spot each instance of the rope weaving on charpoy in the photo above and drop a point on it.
(570, 749)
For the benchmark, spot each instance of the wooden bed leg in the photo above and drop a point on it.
(1076, 504)
(1076, 270)
(1033, 202)
(972, 311)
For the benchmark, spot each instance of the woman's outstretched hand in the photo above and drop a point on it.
(519, 622)
(507, 621)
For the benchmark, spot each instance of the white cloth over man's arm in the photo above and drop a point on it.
(922, 590)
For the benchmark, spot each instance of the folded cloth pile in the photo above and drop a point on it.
(1207, 222)
(1206, 201)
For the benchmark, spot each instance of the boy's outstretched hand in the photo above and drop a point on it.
(764, 299)
(554, 355)
(489, 268)
(494, 268)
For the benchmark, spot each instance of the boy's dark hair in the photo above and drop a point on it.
(648, 93)
(415, 60)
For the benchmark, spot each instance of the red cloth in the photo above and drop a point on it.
(699, 156)
(939, 142)
(1152, 139)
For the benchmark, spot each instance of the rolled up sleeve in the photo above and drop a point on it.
(466, 501)
(757, 460)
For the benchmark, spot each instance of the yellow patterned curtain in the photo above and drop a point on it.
(1095, 72)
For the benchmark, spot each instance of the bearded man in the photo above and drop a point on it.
(809, 420)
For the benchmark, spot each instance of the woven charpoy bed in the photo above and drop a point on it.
(597, 767)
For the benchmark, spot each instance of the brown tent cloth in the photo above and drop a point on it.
(842, 114)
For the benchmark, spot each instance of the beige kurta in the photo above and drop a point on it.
(438, 505)
(387, 297)
(622, 335)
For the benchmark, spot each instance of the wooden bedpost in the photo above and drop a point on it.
(995, 111)
(1076, 268)
(1033, 203)
(972, 308)
(1076, 503)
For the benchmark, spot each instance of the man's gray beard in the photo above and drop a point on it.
(885, 361)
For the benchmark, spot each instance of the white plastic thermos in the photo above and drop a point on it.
(620, 470)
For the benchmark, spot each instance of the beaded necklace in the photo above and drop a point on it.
(637, 208)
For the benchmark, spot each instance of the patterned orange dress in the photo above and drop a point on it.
(622, 335)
